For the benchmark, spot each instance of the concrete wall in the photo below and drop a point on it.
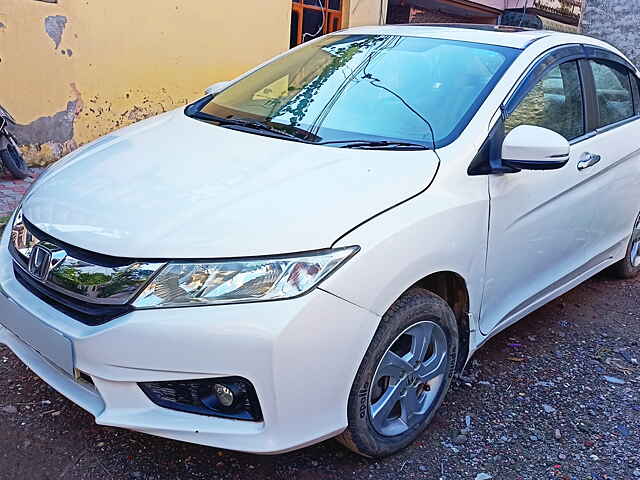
(71, 70)
(366, 12)
(615, 21)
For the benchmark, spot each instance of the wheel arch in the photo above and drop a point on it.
(452, 288)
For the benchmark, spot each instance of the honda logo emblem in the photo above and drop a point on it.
(40, 262)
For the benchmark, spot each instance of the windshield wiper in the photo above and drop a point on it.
(250, 124)
(377, 144)
(258, 125)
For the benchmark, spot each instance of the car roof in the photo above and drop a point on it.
(501, 35)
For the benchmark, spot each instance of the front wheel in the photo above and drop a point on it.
(629, 266)
(13, 161)
(404, 375)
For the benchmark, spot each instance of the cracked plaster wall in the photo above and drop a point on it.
(80, 69)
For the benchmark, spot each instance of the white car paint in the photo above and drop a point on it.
(193, 191)
(197, 183)
(528, 143)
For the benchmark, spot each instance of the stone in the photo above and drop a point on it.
(548, 408)
(483, 476)
(614, 380)
(544, 384)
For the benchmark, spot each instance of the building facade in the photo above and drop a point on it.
(72, 71)
(552, 14)
(445, 11)
(615, 21)
(559, 15)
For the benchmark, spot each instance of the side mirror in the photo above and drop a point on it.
(216, 87)
(535, 148)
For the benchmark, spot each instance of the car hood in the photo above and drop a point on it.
(175, 187)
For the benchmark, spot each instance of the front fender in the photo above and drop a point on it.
(442, 229)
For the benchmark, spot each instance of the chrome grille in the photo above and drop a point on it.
(46, 261)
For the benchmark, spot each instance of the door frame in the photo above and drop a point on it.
(489, 158)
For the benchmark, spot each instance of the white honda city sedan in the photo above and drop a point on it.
(316, 248)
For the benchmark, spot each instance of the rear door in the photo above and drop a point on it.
(541, 222)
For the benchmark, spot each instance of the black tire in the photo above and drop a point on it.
(625, 269)
(13, 161)
(415, 306)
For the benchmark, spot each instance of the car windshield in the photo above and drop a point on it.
(366, 88)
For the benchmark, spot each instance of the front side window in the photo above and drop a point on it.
(555, 102)
(613, 92)
(369, 87)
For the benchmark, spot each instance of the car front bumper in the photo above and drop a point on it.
(301, 355)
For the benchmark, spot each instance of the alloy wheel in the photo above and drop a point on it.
(408, 378)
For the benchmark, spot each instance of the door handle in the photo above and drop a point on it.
(588, 160)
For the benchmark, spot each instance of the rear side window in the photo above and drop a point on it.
(555, 102)
(613, 92)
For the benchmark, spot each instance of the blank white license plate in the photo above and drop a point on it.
(50, 343)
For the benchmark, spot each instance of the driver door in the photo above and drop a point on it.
(541, 222)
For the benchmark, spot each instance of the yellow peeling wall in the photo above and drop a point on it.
(119, 61)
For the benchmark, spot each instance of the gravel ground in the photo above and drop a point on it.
(556, 396)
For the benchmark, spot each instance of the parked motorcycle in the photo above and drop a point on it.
(9, 152)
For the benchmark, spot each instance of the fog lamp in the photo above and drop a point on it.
(224, 394)
(230, 397)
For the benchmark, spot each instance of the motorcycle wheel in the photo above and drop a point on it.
(13, 161)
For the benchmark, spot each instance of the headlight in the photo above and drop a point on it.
(237, 281)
